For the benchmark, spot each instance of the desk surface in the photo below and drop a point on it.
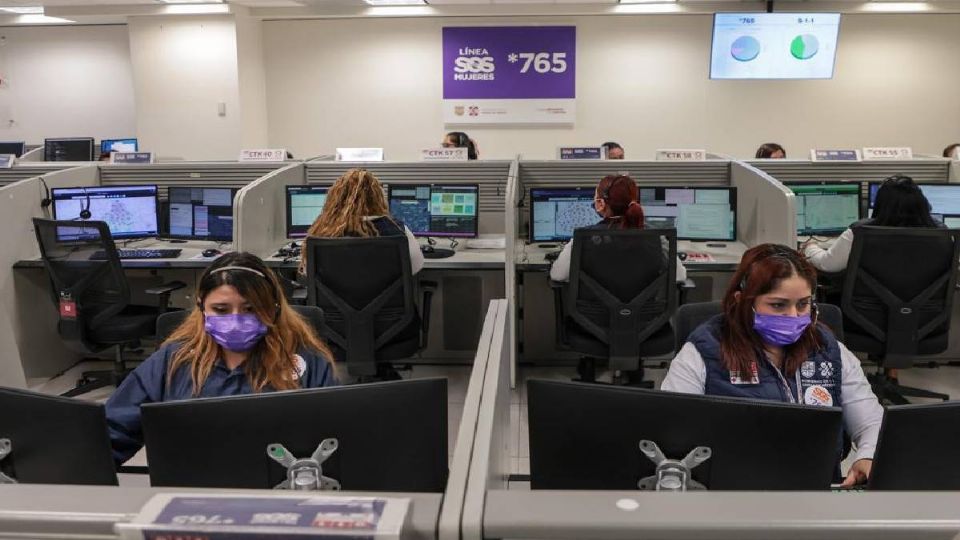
(603, 515)
(463, 259)
(52, 511)
(532, 257)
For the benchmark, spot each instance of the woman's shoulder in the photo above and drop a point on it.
(388, 226)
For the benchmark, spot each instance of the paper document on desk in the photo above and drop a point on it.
(498, 242)
(280, 515)
(698, 257)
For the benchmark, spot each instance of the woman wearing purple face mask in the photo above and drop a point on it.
(766, 344)
(243, 338)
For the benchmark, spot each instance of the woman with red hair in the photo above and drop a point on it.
(616, 202)
(767, 344)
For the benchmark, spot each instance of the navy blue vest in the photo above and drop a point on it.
(388, 226)
(819, 377)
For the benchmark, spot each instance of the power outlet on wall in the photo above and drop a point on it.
(222, 108)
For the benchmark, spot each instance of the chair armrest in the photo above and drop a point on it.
(166, 288)
(299, 296)
(684, 287)
(558, 316)
(427, 288)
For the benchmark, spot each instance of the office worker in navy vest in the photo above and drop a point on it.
(767, 344)
(356, 206)
(242, 338)
(616, 203)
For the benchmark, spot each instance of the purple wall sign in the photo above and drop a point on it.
(512, 62)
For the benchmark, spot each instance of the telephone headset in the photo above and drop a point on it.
(777, 251)
(85, 212)
(230, 268)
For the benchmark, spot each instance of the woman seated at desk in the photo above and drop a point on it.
(357, 207)
(767, 344)
(899, 203)
(242, 338)
(616, 202)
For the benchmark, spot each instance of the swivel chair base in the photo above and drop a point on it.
(587, 372)
(888, 389)
(94, 380)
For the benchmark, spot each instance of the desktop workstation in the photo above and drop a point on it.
(435, 200)
(720, 208)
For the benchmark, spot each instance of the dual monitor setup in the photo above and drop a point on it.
(134, 211)
(72, 148)
(697, 213)
(428, 210)
(829, 208)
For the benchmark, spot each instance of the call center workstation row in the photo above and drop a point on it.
(708, 203)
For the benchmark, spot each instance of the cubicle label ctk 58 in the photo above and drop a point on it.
(509, 75)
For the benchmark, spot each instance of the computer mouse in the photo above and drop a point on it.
(426, 249)
(210, 252)
(682, 255)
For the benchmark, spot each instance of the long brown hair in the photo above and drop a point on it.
(620, 193)
(271, 364)
(356, 195)
(761, 270)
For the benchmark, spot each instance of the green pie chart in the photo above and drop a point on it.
(804, 47)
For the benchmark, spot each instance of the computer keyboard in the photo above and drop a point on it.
(138, 254)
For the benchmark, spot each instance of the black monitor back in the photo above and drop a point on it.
(587, 436)
(392, 437)
(918, 448)
(55, 440)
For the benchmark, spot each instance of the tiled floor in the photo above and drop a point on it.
(944, 379)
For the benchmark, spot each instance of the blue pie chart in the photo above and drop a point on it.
(745, 48)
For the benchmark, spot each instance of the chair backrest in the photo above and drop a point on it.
(86, 292)
(622, 287)
(690, 316)
(899, 285)
(168, 322)
(365, 288)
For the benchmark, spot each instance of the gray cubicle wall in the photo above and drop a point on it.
(198, 173)
(29, 346)
(22, 171)
(921, 170)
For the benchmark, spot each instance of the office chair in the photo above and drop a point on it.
(93, 296)
(366, 290)
(168, 322)
(690, 316)
(619, 300)
(898, 298)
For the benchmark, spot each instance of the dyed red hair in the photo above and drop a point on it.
(620, 193)
(761, 270)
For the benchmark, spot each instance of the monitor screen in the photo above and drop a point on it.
(556, 212)
(200, 213)
(944, 199)
(437, 210)
(774, 45)
(704, 213)
(15, 148)
(129, 211)
(118, 145)
(826, 208)
(77, 149)
(304, 204)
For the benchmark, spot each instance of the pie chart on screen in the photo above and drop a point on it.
(745, 48)
(804, 47)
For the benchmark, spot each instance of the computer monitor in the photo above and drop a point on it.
(392, 436)
(697, 213)
(129, 211)
(825, 208)
(118, 145)
(555, 212)
(74, 149)
(55, 440)
(200, 213)
(944, 201)
(304, 205)
(587, 436)
(450, 210)
(15, 148)
(917, 449)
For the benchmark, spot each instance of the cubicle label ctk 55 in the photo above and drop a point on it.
(509, 75)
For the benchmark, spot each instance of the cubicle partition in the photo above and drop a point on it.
(58, 511)
(766, 208)
(22, 171)
(33, 155)
(499, 508)
(27, 315)
(259, 210)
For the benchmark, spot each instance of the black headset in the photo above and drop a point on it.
(791, 256)
(85, 212)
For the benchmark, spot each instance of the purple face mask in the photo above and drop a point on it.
(236, 332)
(780, 330)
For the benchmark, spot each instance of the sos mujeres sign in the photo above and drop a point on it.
(509, 75)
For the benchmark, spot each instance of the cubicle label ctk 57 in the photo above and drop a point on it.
(509, 75)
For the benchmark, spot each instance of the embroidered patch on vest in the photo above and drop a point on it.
(735, 376)
(808, 368)
(817, 395)
(301, 367)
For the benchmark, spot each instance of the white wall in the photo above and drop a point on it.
(252, 81)
(183, 67)
(642, 81)
(65, 81)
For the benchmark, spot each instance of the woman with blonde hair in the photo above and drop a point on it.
(242, 338)
(356, 206)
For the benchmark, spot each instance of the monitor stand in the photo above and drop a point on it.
(305, 474)
(672, 474)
